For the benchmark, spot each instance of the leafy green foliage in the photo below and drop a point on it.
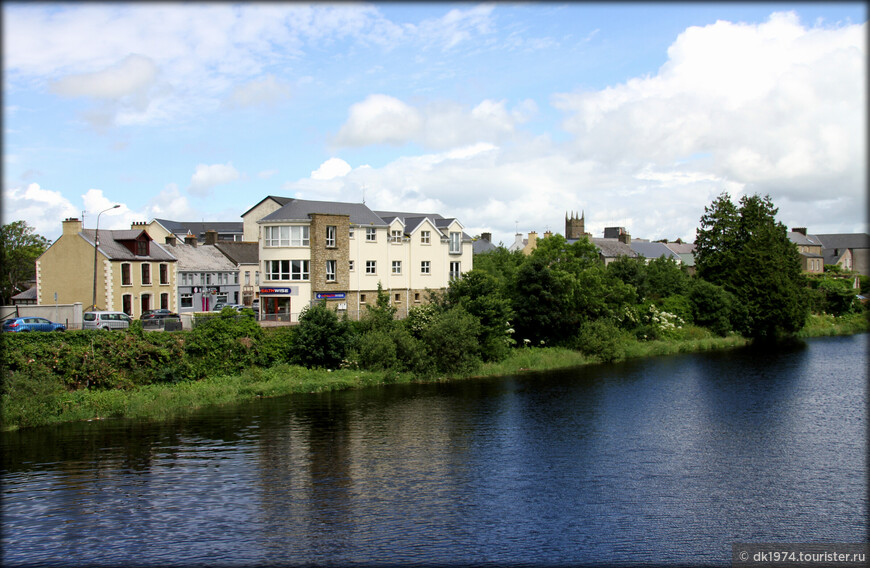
(20, 246)
(665, 278)
(711, 306)
(832, 294)
(322, 339)
(224, 343)
(451, 341)
(747, 252)
(601, 339)
(478, 293)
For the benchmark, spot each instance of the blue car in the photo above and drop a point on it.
(31, 324)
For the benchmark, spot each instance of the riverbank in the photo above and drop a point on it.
(44, 402)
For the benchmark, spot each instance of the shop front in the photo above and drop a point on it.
(276, 303)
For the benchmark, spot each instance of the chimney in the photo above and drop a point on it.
(190, 240)
(171, 240)
(801, 230)
(72, 226)
(486, 237)
(211, 237)
(548, 234)
(625, 238)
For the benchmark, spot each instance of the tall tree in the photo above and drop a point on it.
(746, 251)
(21, 246)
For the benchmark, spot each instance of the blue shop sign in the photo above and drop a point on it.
(330, 295)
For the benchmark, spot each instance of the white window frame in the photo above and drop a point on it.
(397, 267)
(350, 232)
(455, 269)
(425, 237)
(425, 267)
(331, 231)
(455, 242)
(371, 235)
(330, 271)
(285, 236)
(396, 236)
(371, 267)
(350, 265)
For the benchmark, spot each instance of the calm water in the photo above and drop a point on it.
(663, 461)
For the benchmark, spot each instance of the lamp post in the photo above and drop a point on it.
(96, 246)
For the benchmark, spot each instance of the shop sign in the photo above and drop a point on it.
(330, 295)
(267, 291)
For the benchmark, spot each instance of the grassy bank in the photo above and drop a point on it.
(39, 399)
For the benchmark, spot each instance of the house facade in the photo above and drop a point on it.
(339, 253)
(133, 273)
(205, 275)
(810, 250)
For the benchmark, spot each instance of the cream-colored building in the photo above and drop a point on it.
(133, 273)
(340, 252)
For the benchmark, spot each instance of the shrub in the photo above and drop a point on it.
(376, 351)
(451, 341)
(322, 339)
(601, 339)
(712, 306)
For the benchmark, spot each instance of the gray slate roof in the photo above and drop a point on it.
(611, 248)
(205, 258)
(845, 240)
(301, 209)
(653, 250)
(240, 252)
(112, 248)
(199, 228)
(275, 198)
(481, 246)
(804, 240)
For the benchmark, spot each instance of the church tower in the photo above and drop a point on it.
(575, 227)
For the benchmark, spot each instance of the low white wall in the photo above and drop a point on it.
(68, 314)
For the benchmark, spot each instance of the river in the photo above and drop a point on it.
(663, 461)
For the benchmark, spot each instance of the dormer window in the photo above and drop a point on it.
(142, 248)
(455, 243)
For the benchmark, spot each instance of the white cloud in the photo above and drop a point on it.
(266, 174)
(777, 106)
(331, 168)
(267, 91)
(43, 209)
(382, 119)
(206, 177)
(170, 204)
(131, 75)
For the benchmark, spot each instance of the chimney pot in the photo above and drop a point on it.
(190, 240)
(211, 237)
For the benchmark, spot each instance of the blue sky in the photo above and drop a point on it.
(505, 116)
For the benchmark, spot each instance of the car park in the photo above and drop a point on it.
(26, 324)
(105, 320)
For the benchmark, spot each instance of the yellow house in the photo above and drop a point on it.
(133, 273)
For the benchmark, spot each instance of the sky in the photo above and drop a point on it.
(507, 117)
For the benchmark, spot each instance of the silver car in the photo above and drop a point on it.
(105, 320)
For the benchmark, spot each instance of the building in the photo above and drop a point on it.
(159, 229)
(246, 257)
(851, 251)
(124, 271)
(483, 244)
(810, 249)
(341, 252)
(205, 275)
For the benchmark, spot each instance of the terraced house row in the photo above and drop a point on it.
(286, 253)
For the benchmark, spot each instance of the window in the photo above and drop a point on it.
(398, 297)
(187, 300)
(330, 235)
(126, 275)
(350, 232)
(371, 234)
(164, 301)
(395, 236)
(424, 237)
(141, 248)
(164, 274)
(330, 271)
(257, 278)
(208, 279)
(284, 236)
(350, 265)
(425, 267)
(362, 298)
(145, 300)
(416, 296)
(127, 304)
(455, 240)
(247, 278)
(397, 267)
(287, 270)
(454, 270)
(371, 267)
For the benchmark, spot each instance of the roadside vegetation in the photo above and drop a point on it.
(558, 307)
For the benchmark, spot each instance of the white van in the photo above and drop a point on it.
(105, 320)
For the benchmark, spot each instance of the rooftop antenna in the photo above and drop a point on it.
(364, 194)
(517, 227)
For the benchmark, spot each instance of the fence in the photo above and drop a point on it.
(67, 314)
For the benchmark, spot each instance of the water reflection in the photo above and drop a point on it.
(660, 461)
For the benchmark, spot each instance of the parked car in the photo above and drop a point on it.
(162, 322)
(21, 325)
(219, 306)
(158, 314)
(105, 320)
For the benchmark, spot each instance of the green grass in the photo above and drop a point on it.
(40, 399)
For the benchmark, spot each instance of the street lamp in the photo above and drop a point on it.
(96, 246)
